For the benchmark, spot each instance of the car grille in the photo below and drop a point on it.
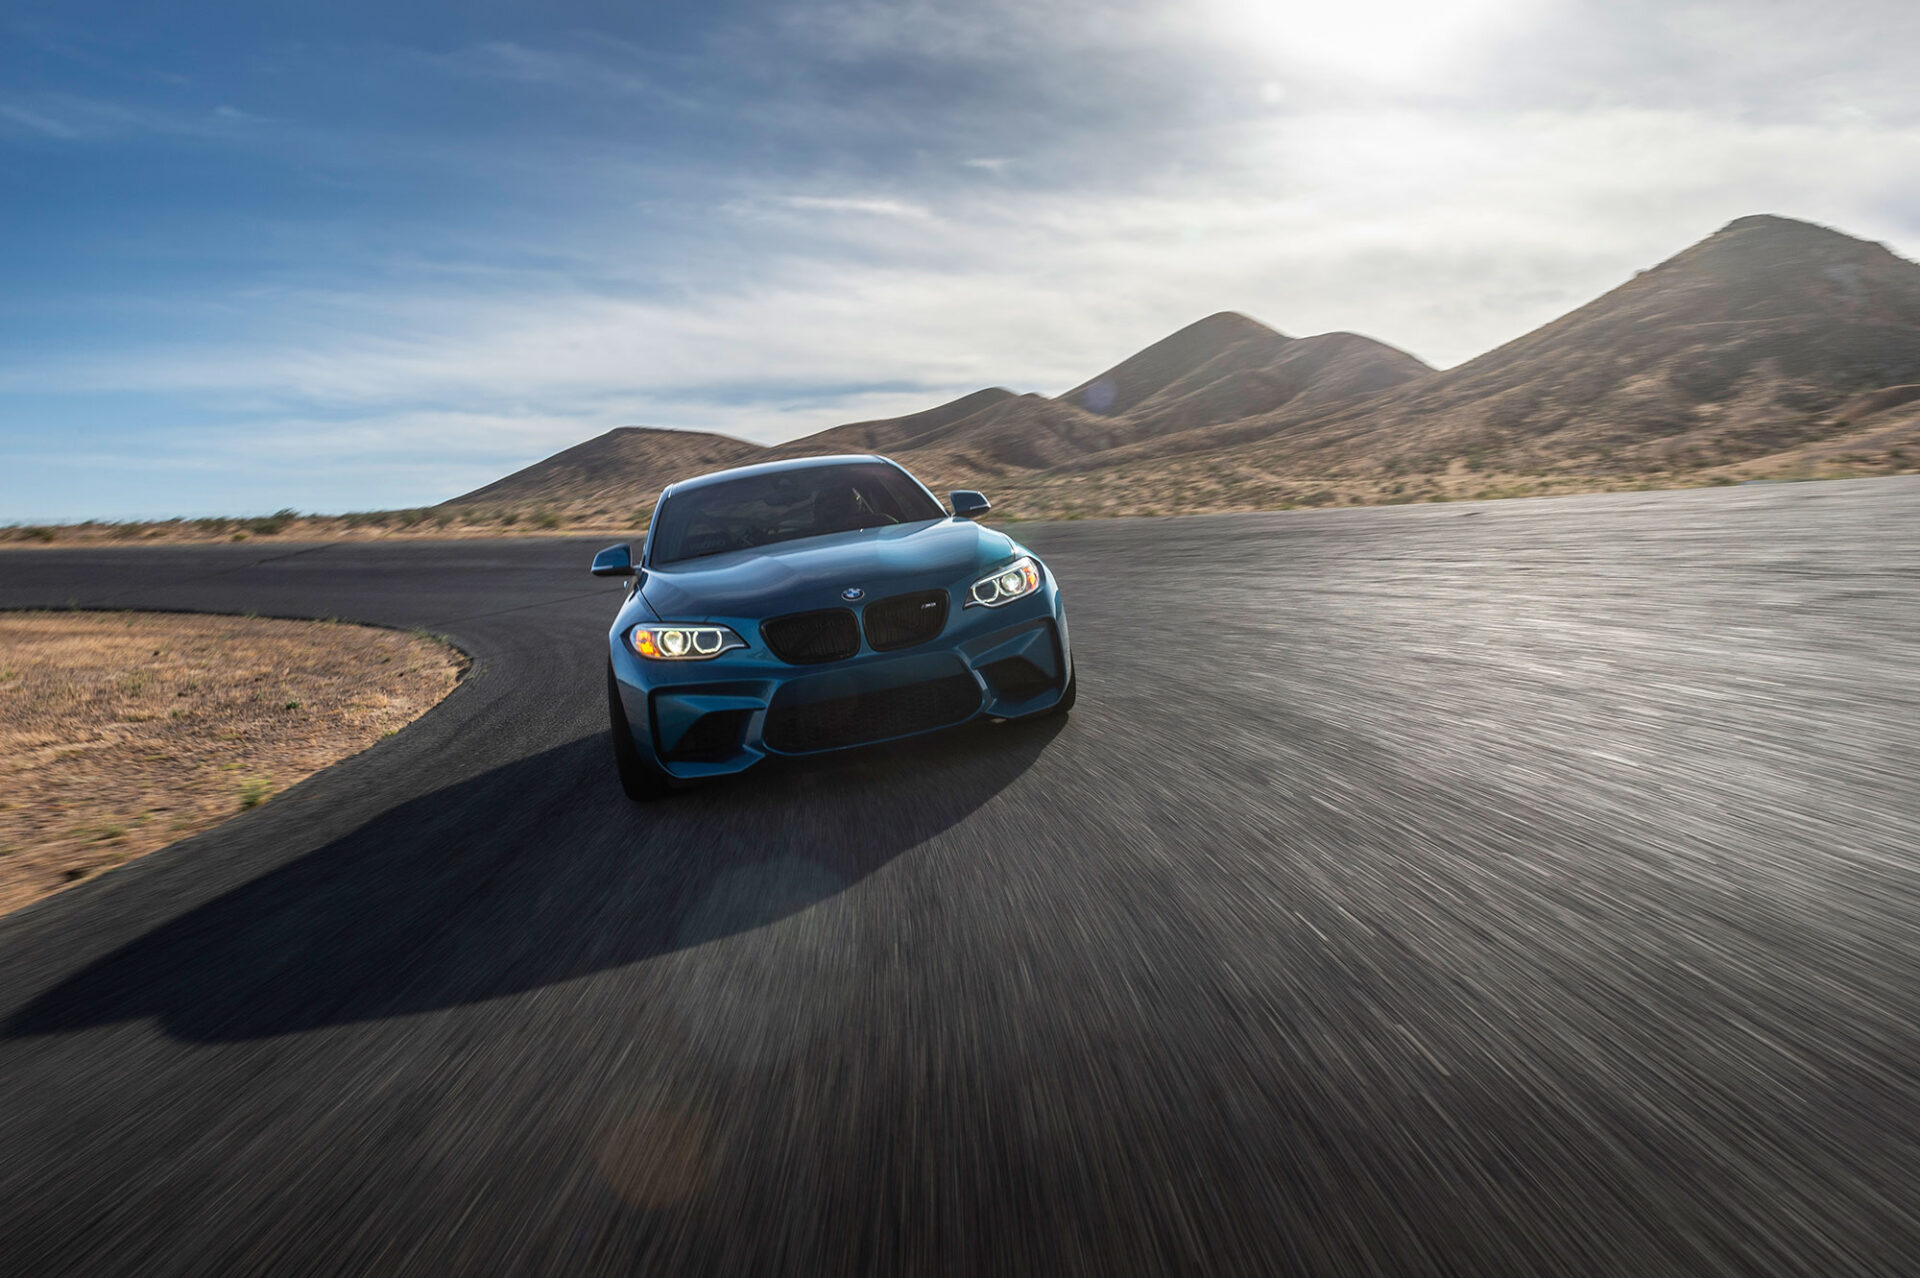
(808, 638)
(871, 716)
(901, 621)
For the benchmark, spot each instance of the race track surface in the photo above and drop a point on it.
(1519, 888)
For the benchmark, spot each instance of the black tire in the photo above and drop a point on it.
(641, 781)
(1065, 703)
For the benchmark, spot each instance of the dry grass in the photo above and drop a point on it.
(1214, 484)
(376, 525)
(1196, 485)
(1252, 477)
(123, 732)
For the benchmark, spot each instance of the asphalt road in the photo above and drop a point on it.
(1530, 887)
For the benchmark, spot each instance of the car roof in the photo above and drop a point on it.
(773, 467)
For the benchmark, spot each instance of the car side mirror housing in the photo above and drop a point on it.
(614, 561)
(968, 504)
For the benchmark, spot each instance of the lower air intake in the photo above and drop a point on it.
(712, 738)
(871, 716)
(1017, 678)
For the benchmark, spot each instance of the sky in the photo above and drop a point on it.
(357, 255)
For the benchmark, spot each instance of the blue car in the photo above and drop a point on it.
(803, 606)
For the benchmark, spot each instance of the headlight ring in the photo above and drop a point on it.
(1006, 584)
(670, 642)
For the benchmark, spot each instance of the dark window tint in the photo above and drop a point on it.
(737, 514)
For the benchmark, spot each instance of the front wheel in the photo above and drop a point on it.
(1065, 703)
(641, 781)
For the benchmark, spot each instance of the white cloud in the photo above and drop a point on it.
(876, 207)
(68, 117)
(601, 70)
(1513, 161)
(1444, 234)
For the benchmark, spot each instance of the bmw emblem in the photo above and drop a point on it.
(852, 593)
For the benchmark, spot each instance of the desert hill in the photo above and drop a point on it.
(1027, 432)
(1219, 369)
(1308, 373)
(1772, 346)
(1227, 367)
(1768, 335)
(894, 434)
(624, 466)
(1223, 342)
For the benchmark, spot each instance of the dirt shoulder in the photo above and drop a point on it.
(123, 732)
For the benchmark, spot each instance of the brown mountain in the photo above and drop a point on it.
(1307, 373)
(1222, 368)
(1774, 344)
(1025, 432)
(1219, 369)
(623, 467)
(1227, 367)
(1221, 343)
(1765, 336)
(895, 434)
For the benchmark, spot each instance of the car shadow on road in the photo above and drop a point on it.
(530, 874)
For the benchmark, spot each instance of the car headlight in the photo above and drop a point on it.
(683, 643)
(1004, 585)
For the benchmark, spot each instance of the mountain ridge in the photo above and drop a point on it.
(1770, 335)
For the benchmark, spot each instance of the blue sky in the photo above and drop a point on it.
(349, 256)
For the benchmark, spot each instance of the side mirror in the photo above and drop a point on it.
(614, 561)
(968, 504)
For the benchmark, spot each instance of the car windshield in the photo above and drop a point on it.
(811, 501)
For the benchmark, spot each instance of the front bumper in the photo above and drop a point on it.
(708, 718)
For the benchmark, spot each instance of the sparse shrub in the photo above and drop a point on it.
(546, 519)
(254, 791)
(273, 524)
(508, 518)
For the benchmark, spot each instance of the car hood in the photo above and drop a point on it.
(811, 572)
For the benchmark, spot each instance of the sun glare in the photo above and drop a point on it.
(1377, 40)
